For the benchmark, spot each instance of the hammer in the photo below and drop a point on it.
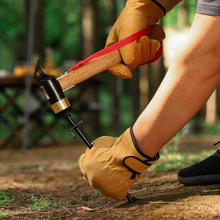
(53, 88)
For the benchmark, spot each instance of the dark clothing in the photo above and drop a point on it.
(208, 7)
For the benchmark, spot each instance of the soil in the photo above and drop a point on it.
(53, 172)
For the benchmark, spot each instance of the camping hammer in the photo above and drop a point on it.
(54, 88)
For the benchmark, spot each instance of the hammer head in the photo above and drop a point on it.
(51, 88)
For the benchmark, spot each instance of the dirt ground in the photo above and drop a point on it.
(53, 172)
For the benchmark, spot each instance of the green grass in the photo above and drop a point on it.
(45, 203)
(23, 167)
(5, 198)
(210, 129)
(171, 159)
(177, 160)
(39, 204)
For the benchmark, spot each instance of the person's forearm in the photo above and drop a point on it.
(168, 4)
(189, 82)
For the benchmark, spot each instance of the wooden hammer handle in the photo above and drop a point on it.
(89, 69)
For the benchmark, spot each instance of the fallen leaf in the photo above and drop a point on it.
(84, 209)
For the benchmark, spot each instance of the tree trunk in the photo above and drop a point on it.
(89, 46)
(38, 27)
(182, 15)
(89, 27)
(211, 109)
(135, 94)
(117, 84)
(144, 87)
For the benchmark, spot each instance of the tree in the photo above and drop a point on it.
(39, 44)
(89, 27)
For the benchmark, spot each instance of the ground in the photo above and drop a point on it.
(51, 175)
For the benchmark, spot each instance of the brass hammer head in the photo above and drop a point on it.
(51, 88)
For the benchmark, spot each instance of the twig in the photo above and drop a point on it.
(67, 210)
(143, 189)
(164, 202)
(27, 213)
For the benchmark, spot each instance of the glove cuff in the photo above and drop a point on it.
(161, 6)
(140, 162)
(138, 149)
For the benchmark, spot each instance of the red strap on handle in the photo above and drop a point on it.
(118, 45)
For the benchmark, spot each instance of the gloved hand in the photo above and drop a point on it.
(137, 15)
(113, 164)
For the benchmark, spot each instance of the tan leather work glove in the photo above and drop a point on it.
(113, 164)
(137, 15)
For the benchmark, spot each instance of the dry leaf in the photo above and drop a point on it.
(84, 209)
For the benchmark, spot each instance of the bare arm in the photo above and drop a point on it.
(189, 82)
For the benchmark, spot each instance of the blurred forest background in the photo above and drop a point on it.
(66, 31)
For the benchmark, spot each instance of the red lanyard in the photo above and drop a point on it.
(120, 44)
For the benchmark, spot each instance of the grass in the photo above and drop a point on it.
(23, 167)
(39, 204)
(171, 159)
(177, 160)
(5, 198)
(45, 203)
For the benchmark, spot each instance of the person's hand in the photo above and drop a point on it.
(113, 164)
(137, 15)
